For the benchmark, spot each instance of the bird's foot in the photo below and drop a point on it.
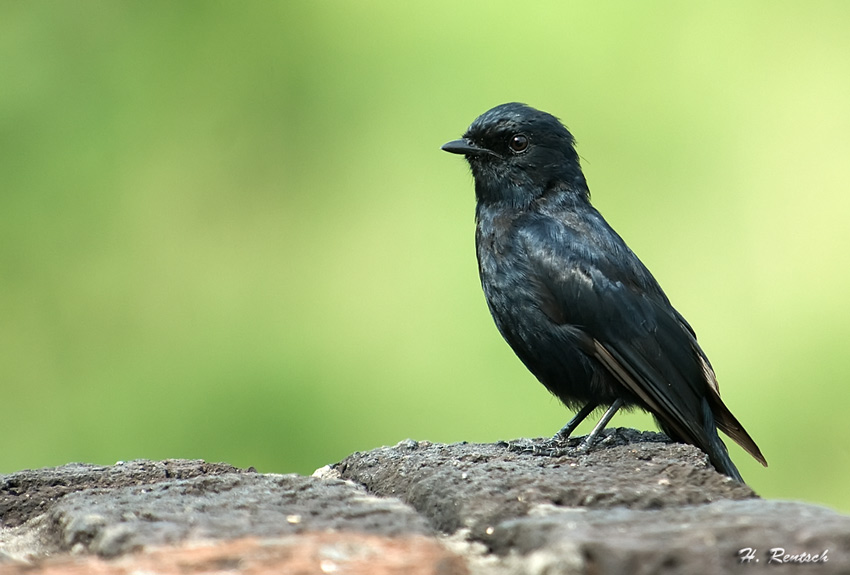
(554, 447)
(558, 446)
(539, 449)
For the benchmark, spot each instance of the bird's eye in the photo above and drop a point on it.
(519, 143)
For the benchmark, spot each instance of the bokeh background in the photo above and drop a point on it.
(227, 230)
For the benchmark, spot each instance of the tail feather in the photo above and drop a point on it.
(715, 448)
(729, 424)
(726, 422)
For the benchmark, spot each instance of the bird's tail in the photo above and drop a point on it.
(729, 424)
(715, 448)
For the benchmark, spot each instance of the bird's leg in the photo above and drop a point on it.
(567, 430)
(591, 438)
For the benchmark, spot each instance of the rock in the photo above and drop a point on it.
(113, 521)
(350, 553)
(634, 504)
(477, 486)
(26, 494)
(689, 539)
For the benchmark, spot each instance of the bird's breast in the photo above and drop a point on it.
(505, 276)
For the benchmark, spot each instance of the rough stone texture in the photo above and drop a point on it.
(688, 539)
(476, 486)
(28, 493)
(110, 522)
(349, 553)
(633, 504)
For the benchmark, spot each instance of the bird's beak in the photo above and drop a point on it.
(465, 147)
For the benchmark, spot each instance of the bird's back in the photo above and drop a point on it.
(590, 321)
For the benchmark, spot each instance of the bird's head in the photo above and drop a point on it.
(518, 154)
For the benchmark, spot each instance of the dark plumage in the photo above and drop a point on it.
(576, 305)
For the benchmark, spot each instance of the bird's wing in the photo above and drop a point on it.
(599, 287)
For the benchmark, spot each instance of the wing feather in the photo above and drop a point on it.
(630, 328)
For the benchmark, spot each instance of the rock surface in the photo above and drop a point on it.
(349, 553)
(633, 504)
(477, 486)
(130, 515)
(25, 494)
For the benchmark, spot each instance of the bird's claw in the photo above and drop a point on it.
(547, 448)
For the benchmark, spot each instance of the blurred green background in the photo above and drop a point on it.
(227, 230)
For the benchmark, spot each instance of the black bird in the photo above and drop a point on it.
(581, 311)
